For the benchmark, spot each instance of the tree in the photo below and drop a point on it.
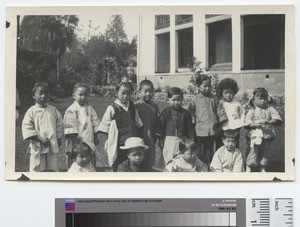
(47, 38)
(115, 30)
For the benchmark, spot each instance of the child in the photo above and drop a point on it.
(187, 160)
(126, 117)
(80, 120)
(260, 120)
(82, 156)
(135, 162)
(228, 158)
(149, 113)
(226, 91)
(43, 126)
(176, 122)
(208, 115)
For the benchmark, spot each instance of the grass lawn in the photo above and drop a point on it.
(100, 104)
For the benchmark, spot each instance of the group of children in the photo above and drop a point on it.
(204, 137)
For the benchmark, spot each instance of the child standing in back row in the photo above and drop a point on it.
(226, 91)
(260, 121)
(209, 115)
(149, 113)
(123, 114)
(43, 126)
(176, 123)
(81, 121)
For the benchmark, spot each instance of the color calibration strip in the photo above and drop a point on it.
(203, 219)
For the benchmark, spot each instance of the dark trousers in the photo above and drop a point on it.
(207, 147)
(121, 157)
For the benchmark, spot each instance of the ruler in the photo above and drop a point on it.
(270, 212)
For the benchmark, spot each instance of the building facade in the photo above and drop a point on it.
(247, 48)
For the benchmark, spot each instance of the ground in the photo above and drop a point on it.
(100, 104)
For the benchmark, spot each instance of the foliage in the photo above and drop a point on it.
(47, 34)
(115, 30)
(195, 67)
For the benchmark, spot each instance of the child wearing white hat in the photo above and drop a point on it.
(135, 162)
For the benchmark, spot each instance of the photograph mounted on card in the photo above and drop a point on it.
(148, 93)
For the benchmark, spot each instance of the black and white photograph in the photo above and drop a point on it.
(192, 93)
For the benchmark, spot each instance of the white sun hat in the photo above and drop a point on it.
(132, 142)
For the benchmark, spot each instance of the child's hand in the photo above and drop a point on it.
(262, 122)
(44, 141)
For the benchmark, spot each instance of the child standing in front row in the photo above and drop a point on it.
(260, 120)
(43, 126)
(149, 113)
(209, 115)
(176, 123)
(80, 120)
(126, 118)
(228, 158)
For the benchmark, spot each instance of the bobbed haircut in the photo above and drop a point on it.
(80, 85)
(230, 133)
(42, 85)
(145, 83)
(201, 78)
(174, 91)
(260, 92)
(227, 83)
(125, 84)
(186, 144)
(80, 148)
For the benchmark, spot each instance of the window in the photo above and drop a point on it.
(162, 21)
(220, 45)
(263, 41)
(162, 53)
(183, 19)
(185, 47)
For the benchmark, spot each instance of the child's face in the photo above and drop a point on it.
(229, 143)
(83, 159)
(146, 93)
(136, 155)
(124, 94)
(189, 155)
(175, 101)
(260, 101)
(41, 96)
(81, 95)
(228, 95)
(205, 87)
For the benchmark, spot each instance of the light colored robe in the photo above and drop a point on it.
(45, 122)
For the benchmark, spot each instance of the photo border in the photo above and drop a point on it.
(10, 91)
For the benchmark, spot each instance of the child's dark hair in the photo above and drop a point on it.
(186, 144)
(145, 83)
(125, 82)
(201, 78)
(80, 148)
(230, 133)
(261, 93)
(79, 85)
(227, 83)
(174, 91)
(42, 85)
